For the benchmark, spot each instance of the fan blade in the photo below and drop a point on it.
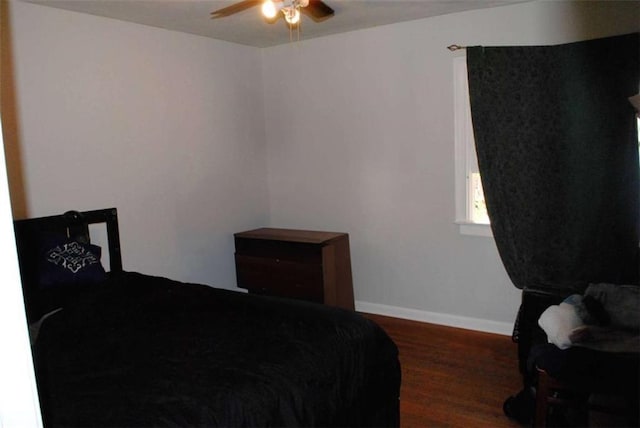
(234, 8)
(317, 10)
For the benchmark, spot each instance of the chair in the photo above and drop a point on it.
(558, 382)
(550, 391)
(615, 396)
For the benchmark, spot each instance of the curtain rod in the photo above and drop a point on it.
(454, 48)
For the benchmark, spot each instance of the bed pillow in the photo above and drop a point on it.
(70, 262)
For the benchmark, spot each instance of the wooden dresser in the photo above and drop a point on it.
(299, 264)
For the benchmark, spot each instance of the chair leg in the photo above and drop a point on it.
(542, 395)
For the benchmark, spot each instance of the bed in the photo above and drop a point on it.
(124, 349)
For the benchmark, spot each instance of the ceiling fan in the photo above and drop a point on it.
(317, 10)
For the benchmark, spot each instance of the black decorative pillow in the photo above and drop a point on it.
(70, 262)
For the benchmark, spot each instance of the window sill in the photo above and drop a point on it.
(474, 229)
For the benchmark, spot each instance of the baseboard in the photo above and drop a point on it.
(467, 323)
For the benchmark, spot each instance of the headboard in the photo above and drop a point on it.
(74, 223)
(30, 232)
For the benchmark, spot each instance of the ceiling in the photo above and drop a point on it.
(249, 28)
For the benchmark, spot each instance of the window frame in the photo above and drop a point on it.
(465, 154)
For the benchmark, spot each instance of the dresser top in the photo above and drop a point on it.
(290, 235)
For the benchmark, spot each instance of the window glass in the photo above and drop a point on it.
(471, 210)
(477, 204)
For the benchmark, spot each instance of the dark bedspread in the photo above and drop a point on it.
(147, 351)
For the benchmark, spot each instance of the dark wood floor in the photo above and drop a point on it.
(452, 377)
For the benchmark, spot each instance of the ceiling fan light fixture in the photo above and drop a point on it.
(269, 9)
(317, 10)
(291, 15)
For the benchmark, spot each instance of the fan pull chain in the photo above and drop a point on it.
(298, 25)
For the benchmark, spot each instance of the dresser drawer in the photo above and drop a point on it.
(289, 251)
(280, 277)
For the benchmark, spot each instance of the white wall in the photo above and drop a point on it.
(360, 139)
(19, 406)
(162, 125)
(355, 134)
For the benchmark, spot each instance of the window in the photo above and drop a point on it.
(471, 211)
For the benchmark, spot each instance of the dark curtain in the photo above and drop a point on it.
(557, 148)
